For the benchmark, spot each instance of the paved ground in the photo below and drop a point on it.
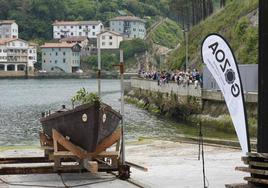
(65, 180)
(170, 165)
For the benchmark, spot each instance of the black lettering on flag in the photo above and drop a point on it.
(223, 68)
(235, 90)
(214, 47)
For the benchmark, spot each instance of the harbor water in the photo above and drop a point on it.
(23, 101)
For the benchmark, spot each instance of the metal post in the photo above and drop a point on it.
(122, 107)
(186, 50)
(99, 66)
(262, 138)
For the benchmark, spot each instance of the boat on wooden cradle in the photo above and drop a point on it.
(85, 125)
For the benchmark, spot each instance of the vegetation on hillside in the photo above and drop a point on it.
(168, 34)
(234, 24)
(35, 17)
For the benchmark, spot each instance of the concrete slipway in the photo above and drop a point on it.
(170, 164)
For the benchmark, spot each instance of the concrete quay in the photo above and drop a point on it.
(170, 164)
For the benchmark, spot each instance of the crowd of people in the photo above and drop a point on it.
(180, 77)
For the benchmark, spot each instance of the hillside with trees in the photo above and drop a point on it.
(237, 22)
(35, 17)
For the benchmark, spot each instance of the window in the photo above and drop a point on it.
(103, 43)
(56, 53)
(71, 26)
(93, 27)
(72, 33)
(0, 50)
(86, 33)
(44, 61)
(56, 61)
(111, 37)
(134, 29)
(80, 33)
(103, 37)
(52, 49)
(80, 27)
(111, 43)
(64, 60)
(93, 33)
(63, 53)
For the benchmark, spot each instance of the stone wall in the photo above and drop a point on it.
(210, 101)
(7, 74)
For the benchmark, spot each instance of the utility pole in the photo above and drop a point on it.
(123, 157)
(99, 66)
(185, 31)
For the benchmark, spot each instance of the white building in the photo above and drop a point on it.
(90, 29)
(15, 55)
(8, 29)
(110, 40)
(61, 57)
(129, 26)
(32, 54)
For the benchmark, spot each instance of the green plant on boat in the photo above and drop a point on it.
(84, 97)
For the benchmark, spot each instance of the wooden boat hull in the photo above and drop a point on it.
(108, 122)
(85, 125)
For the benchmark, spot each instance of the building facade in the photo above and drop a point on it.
(110, 40)
(63, 29)
(32, 55)
(129, 26)
(15, 55)
(61, 57)
(8, 29)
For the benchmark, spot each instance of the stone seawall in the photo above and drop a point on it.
(187, 103)
(206, 98)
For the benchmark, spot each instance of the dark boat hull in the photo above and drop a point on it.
(83, 125)
(108, 122)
